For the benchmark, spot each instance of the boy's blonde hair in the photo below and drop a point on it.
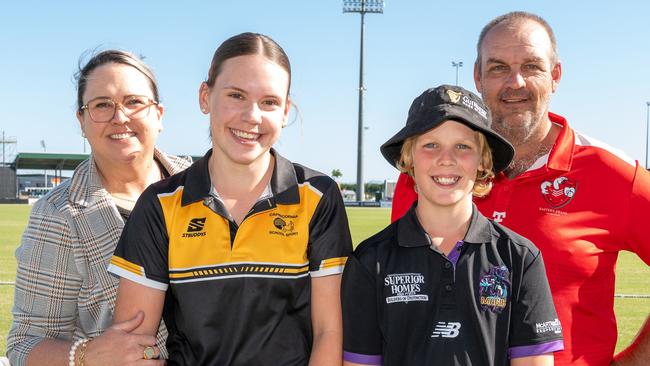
(483, 182)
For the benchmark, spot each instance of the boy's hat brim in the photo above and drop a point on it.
(446, 102)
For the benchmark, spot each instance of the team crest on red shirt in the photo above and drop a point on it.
(559, 192)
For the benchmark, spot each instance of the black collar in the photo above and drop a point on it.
(410, 232)
(284, 183)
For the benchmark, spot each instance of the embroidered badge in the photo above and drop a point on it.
(283, 224)
(559, 192)
(494, 289)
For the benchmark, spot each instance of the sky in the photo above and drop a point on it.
(604, 48)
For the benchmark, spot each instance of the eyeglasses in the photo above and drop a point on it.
(102, 109)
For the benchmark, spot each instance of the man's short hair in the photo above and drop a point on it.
(512, 19)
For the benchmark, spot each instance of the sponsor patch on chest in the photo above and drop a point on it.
(195, 228)
(404, 287)
(494, 289)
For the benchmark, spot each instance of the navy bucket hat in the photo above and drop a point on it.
(447, 102)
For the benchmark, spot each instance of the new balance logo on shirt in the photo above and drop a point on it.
(195, 227)
(446, 330)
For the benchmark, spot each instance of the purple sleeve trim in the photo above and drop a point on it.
(363, 359)
(534, 350)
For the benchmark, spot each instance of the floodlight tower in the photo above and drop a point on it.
(362, 7)
(457, 65)
(6, 141)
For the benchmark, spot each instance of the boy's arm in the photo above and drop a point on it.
(539, 360)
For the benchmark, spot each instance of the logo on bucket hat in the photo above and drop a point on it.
(446, 102)
(454, 96)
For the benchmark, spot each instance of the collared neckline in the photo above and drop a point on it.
(284, 183)
(559, 158)
(86, 186)
(410, 232)
(561, 155)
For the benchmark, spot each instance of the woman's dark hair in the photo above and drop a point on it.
(114, 57)
(248, 44)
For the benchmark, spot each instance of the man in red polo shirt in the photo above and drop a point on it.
(579, 200)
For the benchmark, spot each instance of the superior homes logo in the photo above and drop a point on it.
(404, 287)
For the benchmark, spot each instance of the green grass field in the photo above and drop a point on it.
(633, 276)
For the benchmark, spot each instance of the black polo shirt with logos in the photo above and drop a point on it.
(406, 303)
(236, 294)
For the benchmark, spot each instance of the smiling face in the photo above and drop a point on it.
(122, 139)
(516, 77)
(445, 163)
(248, 105)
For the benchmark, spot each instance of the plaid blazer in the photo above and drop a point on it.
(63, 290)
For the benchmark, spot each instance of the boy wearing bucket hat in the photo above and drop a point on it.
(444, 285)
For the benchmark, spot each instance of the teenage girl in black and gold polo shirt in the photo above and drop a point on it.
(242, 253)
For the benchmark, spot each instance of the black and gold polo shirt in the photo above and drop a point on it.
(236, 295)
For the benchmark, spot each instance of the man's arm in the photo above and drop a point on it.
(637, 353)
(326, 320)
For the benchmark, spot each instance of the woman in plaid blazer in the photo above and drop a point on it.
(64, 297)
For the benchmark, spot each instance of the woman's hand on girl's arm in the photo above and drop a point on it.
(115, 347)
(119, 345)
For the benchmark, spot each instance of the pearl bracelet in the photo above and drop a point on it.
(73, 350)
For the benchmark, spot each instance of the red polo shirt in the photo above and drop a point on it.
(580, 204)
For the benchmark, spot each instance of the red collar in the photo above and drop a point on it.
(561, 154)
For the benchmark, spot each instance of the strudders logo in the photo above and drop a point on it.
(283, 224)
(404, 287)
(559, 192)
(195, 227)
(446, 330)
(494, 289)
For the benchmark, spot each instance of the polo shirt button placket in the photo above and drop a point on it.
(502, 201)
(448, 281)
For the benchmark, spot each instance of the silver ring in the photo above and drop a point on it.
(149, 353)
